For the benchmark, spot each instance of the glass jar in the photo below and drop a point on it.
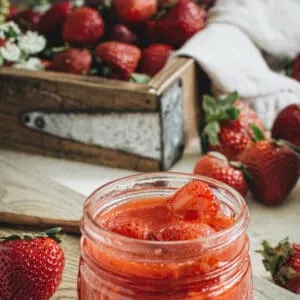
(114, 267)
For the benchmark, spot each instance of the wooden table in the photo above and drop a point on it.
(77, 180)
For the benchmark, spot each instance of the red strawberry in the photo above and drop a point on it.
(154, 58)
(83, 26)
(52, 21)
(233, 139)
(296, 68)
(30, 268)
(150, 31)
(46, 64)
(125, 224)
(287, 125)
(273, 169)
(181, 22)
(122, 33)
(135, 11)
(216, 166)
(283, 262)
(194, 201)
(2, 42)
(184, 231)
(227, 128)
(248, 116)
(121, 58)
(12, 11)
(27, 19)
(75, 61)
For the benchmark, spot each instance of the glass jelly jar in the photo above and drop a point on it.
(115, 267)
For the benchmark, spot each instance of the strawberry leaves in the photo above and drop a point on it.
(276, 260)
(257, 133)
(217, 110)
(53, 233)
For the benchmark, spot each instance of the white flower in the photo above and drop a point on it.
(33, 64)
(10, 52)
(9, 30)
(42, 8)
(31, 42)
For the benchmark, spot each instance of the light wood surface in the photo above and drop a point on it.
(24, 190)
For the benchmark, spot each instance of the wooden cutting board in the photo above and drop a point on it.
(26, 192)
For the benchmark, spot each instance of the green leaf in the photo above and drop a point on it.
(288, 66)
(233, 113)
(248, 177)
(229, 100)
(288, 144)
(218, 155)
(258, 134)
(209, 104)
(139, 78)
(212, 130)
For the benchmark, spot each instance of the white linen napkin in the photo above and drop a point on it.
(228, 50)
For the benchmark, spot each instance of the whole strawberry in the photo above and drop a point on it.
(52, 21)
(75, 61)
(83, 26)
(154, 58)
(135, 11)
(287, 124)
(121, 59)
(31, 267)
(181, 22)
(27, 19)
(296, 69)
(227, 127)
(273, 167)
(122, 33)
(215, 165)
(283, 262)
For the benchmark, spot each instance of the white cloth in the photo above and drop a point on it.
(228, 51)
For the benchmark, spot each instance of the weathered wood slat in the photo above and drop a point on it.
(34, 141)
(48, 92)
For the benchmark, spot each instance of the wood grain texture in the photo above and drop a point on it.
(24, 91)
(13, 219)
(27, 192)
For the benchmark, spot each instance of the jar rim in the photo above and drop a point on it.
(215, 240)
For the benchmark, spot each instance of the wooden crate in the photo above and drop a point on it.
(109, 122)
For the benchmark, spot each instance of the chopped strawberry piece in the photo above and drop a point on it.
(194, 201)
(221, 222)
(124, 224)
(184, 231)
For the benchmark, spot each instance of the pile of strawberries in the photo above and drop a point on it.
(241, 154)
(114, 38)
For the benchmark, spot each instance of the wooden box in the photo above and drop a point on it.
(118, 124)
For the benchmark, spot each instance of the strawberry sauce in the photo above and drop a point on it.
(164, 241)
